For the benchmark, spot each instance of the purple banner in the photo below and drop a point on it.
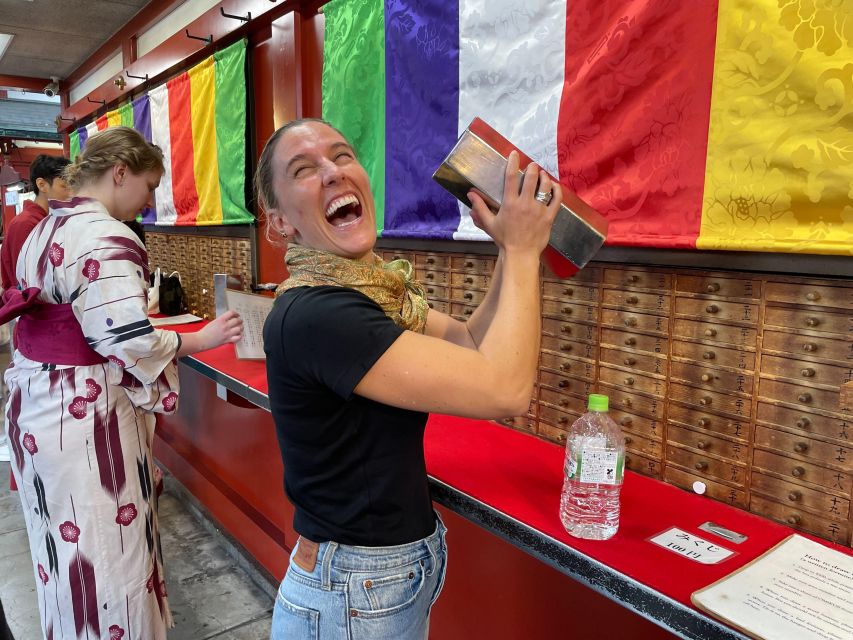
(142, 123)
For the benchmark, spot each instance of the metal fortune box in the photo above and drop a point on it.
(479, 161)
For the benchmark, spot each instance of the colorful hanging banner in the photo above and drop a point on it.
(718, 125)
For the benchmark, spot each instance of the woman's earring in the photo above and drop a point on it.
(284, 235)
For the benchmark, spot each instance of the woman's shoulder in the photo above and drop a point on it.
(322, 304)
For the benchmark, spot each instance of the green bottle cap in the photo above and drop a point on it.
(597, 402)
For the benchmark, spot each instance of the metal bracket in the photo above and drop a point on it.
(100, 102)
(241, 18)
(208, 39)
(130, 75)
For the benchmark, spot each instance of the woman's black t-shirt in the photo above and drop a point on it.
(353, 468)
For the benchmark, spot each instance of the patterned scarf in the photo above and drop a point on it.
(391, 285)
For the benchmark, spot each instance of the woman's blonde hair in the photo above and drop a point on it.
(106, 149)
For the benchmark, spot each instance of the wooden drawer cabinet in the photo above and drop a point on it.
(634, 341)
(430, 261)
(637, 279)
(566, 311)
(433, 277)
(811, 449)
(571, 291)
(715, 331)
(649, 302)
(702, 442)
(577, 368)
(390, 256)
(522, 423)
(813, 345)
(435, 291)
(798, 394)
(800, 497)
(648, 406)
(710, 422)
(473, 264)
(811, 319)
(641, 362)
(804, 371)
(711, 378)
(715, 490)
(634, 381)
(808, 294)
(799, 519)
(469, 280)
(467, 296)
(713, 355)
(575, 331)
(442, 306)
(555, 434)
(563, 401)
(811, 423)
(573, 348)
(719, 286)
(581, 387)
(641, 464)
(557, 417)
(710, 400)
(717, 310)
(588, 275)
(642, 322)
(801, 472)
(462, 311)
(635, 443)
(637, 424)
(706, 466)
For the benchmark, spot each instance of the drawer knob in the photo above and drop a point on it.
(430, 290)
(631, 321)
(430, 305)
(469, 280)
(566, 311)
(804, 423)
(808, 372)
(627, 461)
(703, 422)
(628, 440)
(565, 366)
(709, 355)
(798, 472)
(705, 401)
(633, 279)
(632, 300)
(811, 321)
(627, 402)
(630, 361)
(795, 496)
(564, 403)
(809, 347)
(565, 347)
(468, 312)
(630, 342)
(629, 381)
(563, 384)
(561, 437)
(468, 295)
(700, 466)
(430, 276)
(710, 333)
(804, 397)
(563, 420)
(812, 296)
(712, 288)
(469, 264)
(430, 260)
(568, 291)
(793, 519)
(712, 308)
(707, 377)
(625, 421)
(801, 447)
(703, 444)
(566, 329)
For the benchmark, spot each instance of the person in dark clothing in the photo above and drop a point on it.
(355, 361)
(5, 632)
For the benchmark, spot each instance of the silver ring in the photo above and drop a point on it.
(544, 197)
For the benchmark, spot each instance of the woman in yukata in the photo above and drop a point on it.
(87, 377)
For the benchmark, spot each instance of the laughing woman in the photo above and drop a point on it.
(355, 360)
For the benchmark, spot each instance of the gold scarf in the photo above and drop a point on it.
(391, 285)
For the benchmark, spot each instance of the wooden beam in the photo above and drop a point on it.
(23, 82)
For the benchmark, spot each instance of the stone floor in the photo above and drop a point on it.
(210, 594)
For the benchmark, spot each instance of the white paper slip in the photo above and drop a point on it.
(798, 590)
(253, 309)
(184, 318)
(691, 546)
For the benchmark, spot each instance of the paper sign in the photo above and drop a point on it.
(691, 546)
(253, 309)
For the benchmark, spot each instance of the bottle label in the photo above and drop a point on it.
(598, 465)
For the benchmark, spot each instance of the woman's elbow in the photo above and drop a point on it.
(513, 400)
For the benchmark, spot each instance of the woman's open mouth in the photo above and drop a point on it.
(343, 211)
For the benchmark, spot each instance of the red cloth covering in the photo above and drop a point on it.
(13, 240)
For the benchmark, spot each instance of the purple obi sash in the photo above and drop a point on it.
(47, 332)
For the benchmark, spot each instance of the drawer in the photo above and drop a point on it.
(433, 277)
(461, 311)
(572, 348)
(817, 451)
(642, 362)
(467, 296)
(705, 466)
(442, 306)
(562, 401)
(637, 278)
(806, 372)
(431, 261)
(580, 387)
(812, 344)
(587, 275)
(801, 471)
(435, 291)
(711, 378)
(714, 355)
(637, 321)
(715, 286)
(647, 447)
(554, 434)
(818, 295)
(638, 425)
(635, 341)
(557, 417)
(717, 310)
(816, 320)
(470, 280)
(522, 423)
(704, 443)
(800, 497)
(570, 311)
(798, 394)
(692, 418)
(577, 368)
(634, 403)
(838, 427)
(799, 519)
(653, 302)
(643, 465)
(393, 254)
(577, 331)
(473, 264)
(571, 291)
(632, 381)
(715, 490)
(711, 400)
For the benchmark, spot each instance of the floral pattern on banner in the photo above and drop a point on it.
(779, 174)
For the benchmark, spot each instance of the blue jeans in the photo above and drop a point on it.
(363, 593)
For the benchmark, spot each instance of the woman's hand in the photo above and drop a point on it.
(523, 223)
(226, 328)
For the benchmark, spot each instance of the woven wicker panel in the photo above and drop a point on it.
(197, 258)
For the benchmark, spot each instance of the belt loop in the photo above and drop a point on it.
(326, 568)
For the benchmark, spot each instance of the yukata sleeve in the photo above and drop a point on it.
(108, 284)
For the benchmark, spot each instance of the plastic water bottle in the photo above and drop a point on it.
(595, 457)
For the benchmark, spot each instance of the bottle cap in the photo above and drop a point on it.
(597, 402)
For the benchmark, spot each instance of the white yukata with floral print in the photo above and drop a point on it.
(81, 436)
